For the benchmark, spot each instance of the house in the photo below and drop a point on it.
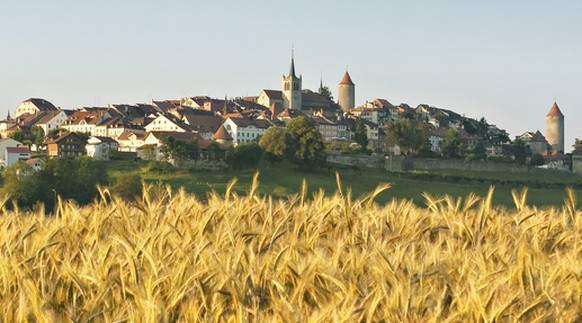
(130, 141)
(150, 150)
(221, 136)
(16, 154)
(535, 142)
(268, 98)
(32, 106)
(5, 143)
(244, 130)
(69, 144)
(34, 163)
(373, 133)
(51, 120)
(5, 125)
(86, 120)
(167, 122)
(435, 137)
(204, 125)
(328, 129)
(101, 148)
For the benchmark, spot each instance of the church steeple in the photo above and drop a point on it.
(292, 96)
(292, 68)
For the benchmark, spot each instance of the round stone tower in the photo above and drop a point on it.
(555, 128)
(347, 93)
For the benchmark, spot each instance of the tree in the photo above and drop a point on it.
(361, 134)
(128, 186)
(70, 178)
(408, 134)
(17, 135)
(537, 160)
(55, 133)
(178, 150)
(304, 143)
(273, 142)
(453, 145)
(37, 136)
(577, 146)
(244, 156)
(519, 152)
(479, 152)
(326, 92)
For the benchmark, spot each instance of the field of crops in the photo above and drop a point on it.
(171, 257)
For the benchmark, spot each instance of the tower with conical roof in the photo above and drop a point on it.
(292, 88)
(555, 128)
(346, 93)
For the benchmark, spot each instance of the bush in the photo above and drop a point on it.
(128, 186)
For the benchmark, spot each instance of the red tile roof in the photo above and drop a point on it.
(221, 134)
(17, 150)
(555, 111)
(346, 80)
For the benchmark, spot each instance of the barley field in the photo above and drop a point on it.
(169, 257)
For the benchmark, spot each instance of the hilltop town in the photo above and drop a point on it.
(38, 127)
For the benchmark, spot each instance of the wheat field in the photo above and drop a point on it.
(169, 257)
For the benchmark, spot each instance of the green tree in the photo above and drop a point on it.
(326, 92)
(273, 142)
(55, 133)
(178, 150)
(128, 186)
(244, 156)
(479, 152)
(361, 134)
(519, 152)
(37, 134)
(577, 146)
(304, 143)
(408, 134)
(537, 160)
(18, 136)
(70, 178)
(453, 145)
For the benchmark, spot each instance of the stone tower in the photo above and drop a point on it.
(292, 89)
(347, 93)
(555, 128)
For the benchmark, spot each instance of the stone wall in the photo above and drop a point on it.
(399, 163)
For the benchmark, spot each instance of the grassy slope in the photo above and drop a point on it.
(283, 179)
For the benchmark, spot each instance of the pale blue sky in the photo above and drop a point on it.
(504, 60)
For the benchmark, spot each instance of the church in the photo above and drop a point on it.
(293, 96)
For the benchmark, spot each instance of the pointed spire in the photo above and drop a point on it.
(225, 109)
(346, 80)
(292, 68)
(320, 85)
(8, 115)
(555, 111)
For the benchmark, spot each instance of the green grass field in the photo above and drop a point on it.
(283, 179)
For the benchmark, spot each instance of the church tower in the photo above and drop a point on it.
(555, 128)
(346, 93)
(292, 89)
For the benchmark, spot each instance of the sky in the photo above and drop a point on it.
(506, 61)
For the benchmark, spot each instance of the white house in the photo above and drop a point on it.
(243, 130)
(32, 106)
(100, 148)
(153, 140)
(167, 123)
(35, 164)
(5, 143)
(51, 120)
(130, 141)
(15, 154)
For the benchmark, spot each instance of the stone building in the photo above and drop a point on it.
(346, 93)
(555, 128)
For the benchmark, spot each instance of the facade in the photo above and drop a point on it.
(243, 130)
(67, 145)
(167, 123)
(130, 141)
(6, 143)
(346, 93)
(16, 154)
(51, 120)
(101, 148)
(32, 106)
(555, 128)
(86, 120)
(292, 97)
